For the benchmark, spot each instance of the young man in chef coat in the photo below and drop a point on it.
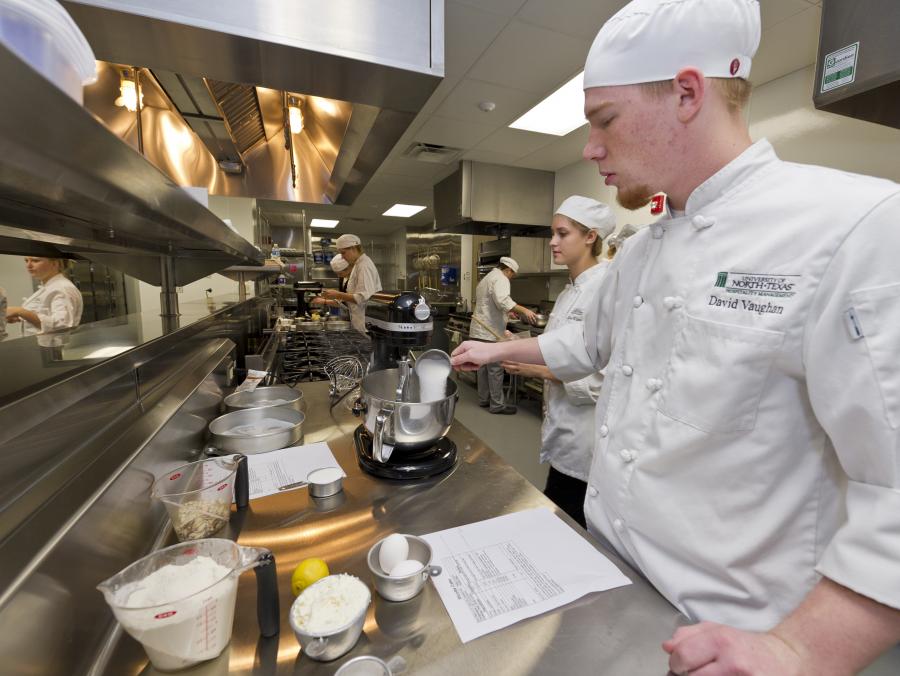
(747, 434)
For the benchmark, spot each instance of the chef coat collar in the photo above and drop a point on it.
(732, 177)
(587, 274)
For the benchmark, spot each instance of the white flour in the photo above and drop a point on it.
(433, 374)
(177, 633)
(330, 604)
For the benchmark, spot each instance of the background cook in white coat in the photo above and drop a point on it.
(579, 227)
(56, 305)
(749, 443)
(363, 283)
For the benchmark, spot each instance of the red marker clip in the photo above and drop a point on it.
(657, 205)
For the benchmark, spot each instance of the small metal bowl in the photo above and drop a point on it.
(330, 646)
(324, 485)
(405, 587)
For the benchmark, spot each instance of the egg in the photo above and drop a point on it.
(394, 549)
(407, 567)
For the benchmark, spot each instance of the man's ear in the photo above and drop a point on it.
(690, 88)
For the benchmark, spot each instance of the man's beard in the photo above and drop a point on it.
(635, 198)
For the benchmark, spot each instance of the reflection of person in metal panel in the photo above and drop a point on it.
(57, 303)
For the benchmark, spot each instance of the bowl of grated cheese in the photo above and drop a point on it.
(328, 616)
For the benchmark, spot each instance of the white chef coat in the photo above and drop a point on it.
(57, 303)
(567, 432)
(492, 304)
(362, 283)
(747, 430)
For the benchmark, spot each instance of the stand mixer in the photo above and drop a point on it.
(402, 437)
(305, 292)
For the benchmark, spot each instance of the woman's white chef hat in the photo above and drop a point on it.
(510, 263)
(339, 263)
(590, 213)
(346, 241)
(651, 40)
(619, 238)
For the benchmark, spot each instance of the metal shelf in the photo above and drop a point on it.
(71, 185)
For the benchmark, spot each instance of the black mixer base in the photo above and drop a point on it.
(420, 464)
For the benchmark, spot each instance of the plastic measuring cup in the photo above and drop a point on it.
(183, 629)
(198, 495)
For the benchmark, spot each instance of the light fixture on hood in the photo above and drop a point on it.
(295, 115)
(128, 94)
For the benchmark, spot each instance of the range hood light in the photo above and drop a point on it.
(558, 114)
(128, 93)
(403, 210)
(295, 115)
(323, 223)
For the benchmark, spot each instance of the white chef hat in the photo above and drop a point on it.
(346, 241)
(339, 263)
(651, 40)
(590, 213)
(619, 238)
(510, 263)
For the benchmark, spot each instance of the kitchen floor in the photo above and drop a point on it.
(515, 438)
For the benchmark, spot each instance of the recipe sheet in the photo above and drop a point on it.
(271, 471)
(503, 570)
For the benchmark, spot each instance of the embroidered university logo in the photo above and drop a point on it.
(757, 284)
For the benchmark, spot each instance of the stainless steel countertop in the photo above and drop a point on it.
(617, 632)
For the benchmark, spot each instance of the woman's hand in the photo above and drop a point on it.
(471, 354)
(318, 300)
(526, 370)
(14, 314)
(330, 293)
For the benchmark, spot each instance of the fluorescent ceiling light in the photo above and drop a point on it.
(403, 210)
(323, 223)
(558, 114)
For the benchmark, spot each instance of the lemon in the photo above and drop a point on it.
(307, 572)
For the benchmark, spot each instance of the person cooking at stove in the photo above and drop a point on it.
(55, 306)
(492, 307)
(747, 434)
(362, 283)
(579, 228)
(342, 269)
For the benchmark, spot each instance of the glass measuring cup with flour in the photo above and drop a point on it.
(179, 601)
(198, 495)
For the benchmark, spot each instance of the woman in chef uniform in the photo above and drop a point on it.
(579, 227)
(747, 432)
(55, 306)
(342, 269)
(362, 283)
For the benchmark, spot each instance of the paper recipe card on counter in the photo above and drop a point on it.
(500, 571)
(269, 472)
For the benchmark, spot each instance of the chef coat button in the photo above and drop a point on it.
(702, 222)
(619, 525)
(673, 302)
(626, 455)
(593, 492)
(604, 430)
(637, 301)
(627, 370)
(656, 230)
(654, 384)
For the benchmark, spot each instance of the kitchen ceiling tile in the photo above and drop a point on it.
(462, 103)
(787, 46)
(446, 131)
(775, 11)
(581, 19)
(504, 7)
(557, 154)
(530, 58)
(490, 157)
(515, 142)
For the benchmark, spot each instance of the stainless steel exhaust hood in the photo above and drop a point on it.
(858, 69)
(364, 69)
(490, 199)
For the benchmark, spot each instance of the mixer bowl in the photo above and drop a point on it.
(409, 425)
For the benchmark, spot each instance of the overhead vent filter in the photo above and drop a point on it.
(429, 152)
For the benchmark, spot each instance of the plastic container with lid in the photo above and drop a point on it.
(43, 34)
